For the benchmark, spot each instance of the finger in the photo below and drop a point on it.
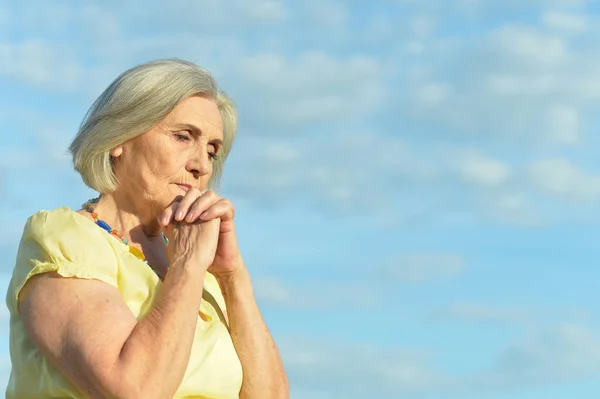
(184, 205)
(167, 215)
(200, 205)
(222, 209)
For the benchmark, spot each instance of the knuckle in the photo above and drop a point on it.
(231, 207)
(225, 201)
(212, 195)
(196, 205)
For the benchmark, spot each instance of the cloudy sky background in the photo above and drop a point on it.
(417, 182)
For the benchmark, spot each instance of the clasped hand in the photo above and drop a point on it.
(200, 227)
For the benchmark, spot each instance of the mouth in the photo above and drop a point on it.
(184, 187)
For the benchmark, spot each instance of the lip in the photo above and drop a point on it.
(184, 187)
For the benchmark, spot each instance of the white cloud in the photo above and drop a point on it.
(365, 166)
(12, 157)
(4, 19)
(417, 268)
(433, 93)
(483, 171)
(512, 208)
(379, 28)
(526, 316)
(474, 312)
(212, 16)
(513, 6)
(396, 180)
(564, 124)
(512, 85)
(563, 353)
(330, 15)
(564, 21)
(272, 291)
(560, 354)
(519, 84)
(41, 63)
(422, 25)
(264, 11)
(315, 87)
(275, 292)
(43, 18)
(381, 176)
(48, 142)
(353, 370)
(559, 176)
(509, 83)
(529, 45)
(100, 24)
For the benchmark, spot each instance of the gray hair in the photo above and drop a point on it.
(134, 103)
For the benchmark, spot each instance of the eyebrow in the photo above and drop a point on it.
(197, 130)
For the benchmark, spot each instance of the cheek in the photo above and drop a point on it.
(163, 166)
(164, 158)
(153, 169)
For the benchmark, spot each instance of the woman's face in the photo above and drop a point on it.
(174, 156)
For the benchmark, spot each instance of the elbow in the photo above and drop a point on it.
(127, 385)
(139, 391)
(281, 388)
(282, 385)
(285, 389)
(270, 388)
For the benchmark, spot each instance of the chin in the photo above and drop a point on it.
(165, 199)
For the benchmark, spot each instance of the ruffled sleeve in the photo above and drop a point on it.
(64, 242)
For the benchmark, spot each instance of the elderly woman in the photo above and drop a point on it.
(143, 293)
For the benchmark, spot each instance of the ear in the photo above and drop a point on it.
(116, 152)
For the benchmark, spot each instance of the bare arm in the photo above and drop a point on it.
(85, 329)
(264, 374)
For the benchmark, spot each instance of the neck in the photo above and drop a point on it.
(128, 216)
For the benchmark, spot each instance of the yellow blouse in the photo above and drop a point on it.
(68, 243)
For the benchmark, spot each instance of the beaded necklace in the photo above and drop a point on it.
(133, 250)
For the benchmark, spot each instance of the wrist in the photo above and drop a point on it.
(236, 281)
(230, 272)
(184, 261)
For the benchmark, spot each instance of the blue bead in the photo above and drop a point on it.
(125, 241)
(104, 225)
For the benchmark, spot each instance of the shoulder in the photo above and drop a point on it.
(64, 242)
(63, 236)
(63, 232)
(60, 220)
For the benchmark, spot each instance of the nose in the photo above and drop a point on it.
(199, 163)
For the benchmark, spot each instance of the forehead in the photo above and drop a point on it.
(198, 111)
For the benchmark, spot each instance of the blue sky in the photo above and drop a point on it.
(417, 182)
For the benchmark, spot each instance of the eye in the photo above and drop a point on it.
(212, 151)
(182, 135)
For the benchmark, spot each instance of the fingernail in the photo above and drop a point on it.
(189, 217)
(203, 215)
(179, 215)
